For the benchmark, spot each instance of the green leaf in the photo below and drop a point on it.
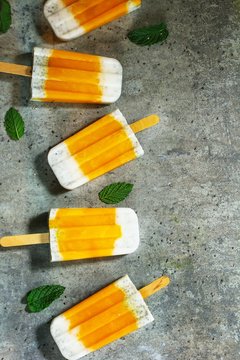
(14, 124)
(114, 193)
(5, 16)
(41, 297)
(149, 35)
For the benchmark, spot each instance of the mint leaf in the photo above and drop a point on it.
(5, 16)
(41, 297)
(114, 193)
(149, 35)
(14, 124)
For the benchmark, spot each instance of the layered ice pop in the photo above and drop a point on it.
(99, 148)
(104, 317)
(82, 233)
(66, 76)
(70, 19)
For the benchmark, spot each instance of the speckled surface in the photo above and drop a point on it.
(186, 187)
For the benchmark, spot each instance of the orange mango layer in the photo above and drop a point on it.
(84, 233)
(101, 147)
(95, 13)
(78, 73)
(103, 318)
(111, 313)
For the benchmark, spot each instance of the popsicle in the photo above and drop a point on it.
(99, 148)
(76, 234)
(70, 19)
(66, 76)
(104, 317)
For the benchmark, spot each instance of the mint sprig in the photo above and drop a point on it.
(14, 124)
(114, 193)
(5, 16)
(149, 35)
(41, 297)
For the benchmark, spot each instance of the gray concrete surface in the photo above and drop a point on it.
(186, 187)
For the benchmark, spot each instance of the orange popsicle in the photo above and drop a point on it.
(111, 313)
(66, 76)
(82, 233)
(99, 148)
(89, 233)
(70, 19)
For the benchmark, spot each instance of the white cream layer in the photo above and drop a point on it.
(62, 21)
(129, 242)
(53, 6)
(135, 301)
(68, 342)
(110, 80)
(54, 248)
(39, 72)
(66, 168)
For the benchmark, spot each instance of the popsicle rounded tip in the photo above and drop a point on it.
(6, 241)
(165, 280)
(46, 10)
(112, 99)
(2, 242)
(155, 286)
(112, 71)
(155, 118)
(130, 240)
(161, 283)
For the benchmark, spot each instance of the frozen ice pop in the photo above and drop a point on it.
(70, 19)
(85, 233)
(66, 76)
(99, 148)
(104, 317)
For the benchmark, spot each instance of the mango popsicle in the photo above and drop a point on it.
(70, 19)
(104, 317)
(66, 76)
(99, 148)
(81, 233)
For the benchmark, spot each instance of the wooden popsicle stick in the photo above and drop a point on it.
(15, 69)
(145, 123)
(155, 286)
(22, 240)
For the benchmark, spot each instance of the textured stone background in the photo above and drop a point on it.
(186, 186)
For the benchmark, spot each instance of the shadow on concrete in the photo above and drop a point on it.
(46, 175)
(43, 28)
(38, 223)
(147, 16)
(45, 342)
(73, 106)
(24, 301)
(40, 256)
(24, 82)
